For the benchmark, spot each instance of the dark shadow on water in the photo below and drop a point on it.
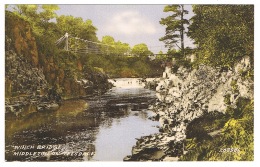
(82, 130)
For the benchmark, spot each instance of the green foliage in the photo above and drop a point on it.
(247, 74)
(122, 48)
(235, 142)
(30, 14)
(37, 15)
(48, 12)
(67, 63)
(142, 68)
(108, 40)
(77, 27)
(208, 122)
(112, 47)
(234, 86)
(227, 99)
(223, 33)
(141, 50)
(28, 11)
(175, 29)
(160, 52)
(126, 72)
(124, 66)
(179, 60)
(117, 62)
(45, 43)
(237, 112)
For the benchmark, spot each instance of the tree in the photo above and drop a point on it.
(77, 27)
(175, 29)
(160, 52)
(122, 48)
(108, 40)
(109, 44)
(29, 11)
(38, 16)
(141, 50)
(48, 12)
(223, 33)
(113, 47)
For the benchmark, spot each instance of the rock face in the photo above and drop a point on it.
(186, 95)
(32, 77)
(19, 36)
(24, 84)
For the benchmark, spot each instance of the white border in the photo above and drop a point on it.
(150, 164)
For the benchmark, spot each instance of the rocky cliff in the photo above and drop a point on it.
(188, 95)
(33, 77)
(19, 37)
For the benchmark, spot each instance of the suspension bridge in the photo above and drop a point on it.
(82, 46)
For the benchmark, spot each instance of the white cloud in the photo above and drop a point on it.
(130, 23)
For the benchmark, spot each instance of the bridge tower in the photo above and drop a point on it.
(66, 42)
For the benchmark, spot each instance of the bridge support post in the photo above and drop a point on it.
(67, 42)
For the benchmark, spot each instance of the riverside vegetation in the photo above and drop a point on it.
(205, 106)
(38, 72)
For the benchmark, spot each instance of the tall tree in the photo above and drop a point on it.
(223, 33)
(175, 26)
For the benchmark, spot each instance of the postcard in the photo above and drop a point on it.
(96, 82)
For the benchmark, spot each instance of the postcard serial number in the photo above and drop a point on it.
(229, 150)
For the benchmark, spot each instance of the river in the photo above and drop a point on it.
(96, 128)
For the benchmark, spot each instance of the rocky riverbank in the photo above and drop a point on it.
(27, 86)
(34, 77)
(185, 96)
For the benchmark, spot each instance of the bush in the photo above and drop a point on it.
(236, 142)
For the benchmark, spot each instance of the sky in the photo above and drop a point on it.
(132, 24)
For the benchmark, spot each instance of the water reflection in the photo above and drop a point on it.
(96, 128)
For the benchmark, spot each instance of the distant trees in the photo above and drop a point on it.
(160, 52)
(112, 47)
(141, 50)
(122, 48)
(108, 40)
(109, 44)
(175, 29)
(117, 58)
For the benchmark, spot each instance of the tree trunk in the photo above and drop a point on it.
(182, 31)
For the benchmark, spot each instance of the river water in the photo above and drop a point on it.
(96, 128)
